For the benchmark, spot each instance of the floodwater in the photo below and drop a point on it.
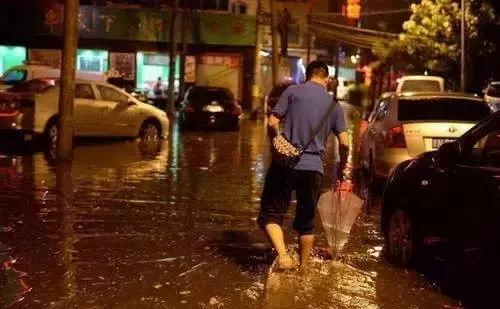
(174, 226)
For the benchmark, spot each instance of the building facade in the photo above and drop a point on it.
(132, 41)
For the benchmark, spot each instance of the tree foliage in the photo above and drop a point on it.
(431, 37)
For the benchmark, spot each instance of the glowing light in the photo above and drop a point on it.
(264, 53)
(354, 59)
(19, 51)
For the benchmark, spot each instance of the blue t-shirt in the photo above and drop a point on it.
(301, 108)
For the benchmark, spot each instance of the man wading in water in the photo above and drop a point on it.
(301, 108)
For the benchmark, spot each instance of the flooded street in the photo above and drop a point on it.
(128, 226)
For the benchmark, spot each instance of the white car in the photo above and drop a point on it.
(406, 125)
(492, 95)
(30, 109)
(21, 73)
(420, 83)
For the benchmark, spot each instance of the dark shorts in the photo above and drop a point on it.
(277, 193)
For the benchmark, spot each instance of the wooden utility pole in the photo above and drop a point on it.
(256, 91)
(462, 47)
(309, 32)
(172, 59)
(274, 33)
(67, 86)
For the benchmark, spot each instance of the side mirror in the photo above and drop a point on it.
(449, 154)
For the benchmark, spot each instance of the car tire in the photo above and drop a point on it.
(400, 237)
(150, 131)
(51, 132)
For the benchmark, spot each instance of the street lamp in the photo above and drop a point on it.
(462, 43)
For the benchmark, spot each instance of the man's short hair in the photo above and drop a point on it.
(316, 68)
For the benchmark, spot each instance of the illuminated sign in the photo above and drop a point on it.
(353, 9)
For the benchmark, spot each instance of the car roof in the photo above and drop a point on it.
(420, 77)
(436, 95)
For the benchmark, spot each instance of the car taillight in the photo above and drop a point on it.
(395, 137)
(9, 108)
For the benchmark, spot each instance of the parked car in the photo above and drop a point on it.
(492, 95)
(274, 95)
(30, 109)
(406, 125)
(447, 197)
(21, 73)
(420, 83)
(210, 108)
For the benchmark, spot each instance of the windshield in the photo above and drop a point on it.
(34, 86)
(421, 85)
(494, 90)
(202, 95)
(13, 77)
(439, 109)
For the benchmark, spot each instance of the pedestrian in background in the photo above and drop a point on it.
(301, 108)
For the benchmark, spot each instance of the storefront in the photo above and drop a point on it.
(11, 56)
(151, 66)
(52, 57)
(221, 70)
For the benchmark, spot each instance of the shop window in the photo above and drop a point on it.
(92, 60)
(50, 57)
(11, 56)
(151, 66)
(238, 8)
(122, 65)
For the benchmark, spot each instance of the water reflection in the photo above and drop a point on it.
(130, 225)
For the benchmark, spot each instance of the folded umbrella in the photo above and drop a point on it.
(338, 209)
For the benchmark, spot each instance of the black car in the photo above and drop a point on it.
(449, 198)
(210, 108)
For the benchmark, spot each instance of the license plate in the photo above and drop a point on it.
(213, 109)
(438, 142)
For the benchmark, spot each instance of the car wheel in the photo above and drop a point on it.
(400, 238)
(51, 132)
(150, 132)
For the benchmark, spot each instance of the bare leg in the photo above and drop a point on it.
(305, 246)
(277, 238)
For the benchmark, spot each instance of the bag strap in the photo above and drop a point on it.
(321, 124)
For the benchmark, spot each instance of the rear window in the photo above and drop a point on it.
(494, 90)
(210, 94)
(447, 109)
(421, 85)
(34, 86)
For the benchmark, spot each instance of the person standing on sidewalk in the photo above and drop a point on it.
(300, 109)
